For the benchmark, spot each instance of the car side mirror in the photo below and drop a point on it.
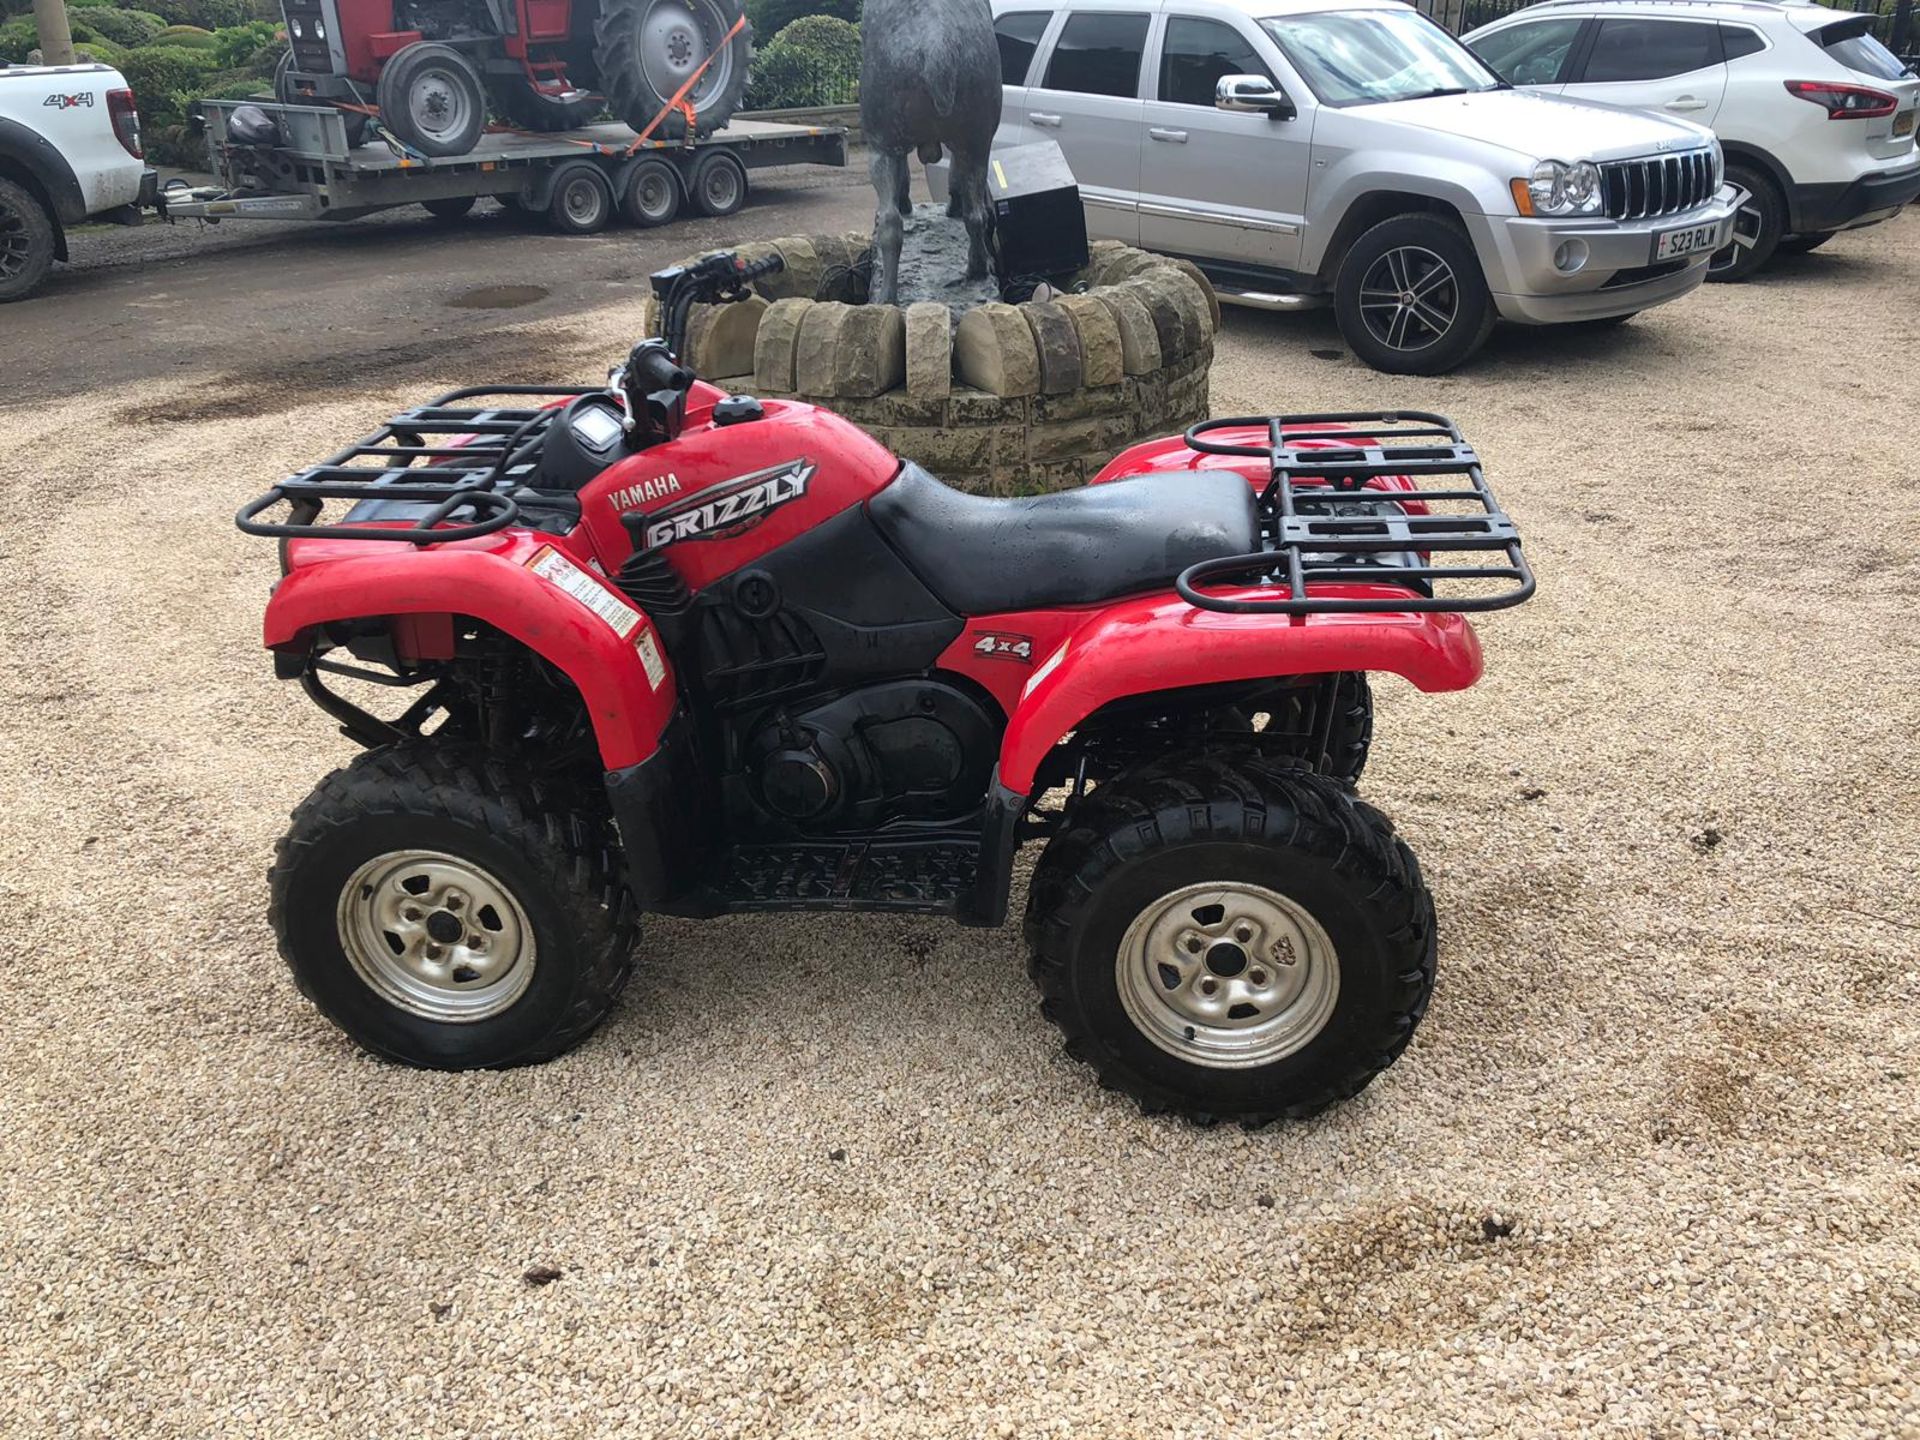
(1252, 95)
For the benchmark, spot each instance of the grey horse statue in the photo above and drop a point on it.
(929, 80)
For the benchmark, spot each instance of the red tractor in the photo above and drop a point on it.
(432, 68)
(665, 649)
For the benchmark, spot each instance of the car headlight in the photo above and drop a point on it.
(1557, 188)
(298, 32)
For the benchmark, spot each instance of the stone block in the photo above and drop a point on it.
(873, 351)
(946, 450)
(802, 276)
(1179, 313)
(774, 345)
(721, 339)
(929, 350)
(994, 351)
(1205, 286)
(816, 353)
(1139, 336)
(976, 407)
(1062, 369)
(1102, 359)
(1103, 400)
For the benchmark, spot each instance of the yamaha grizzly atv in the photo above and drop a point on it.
(673, 650)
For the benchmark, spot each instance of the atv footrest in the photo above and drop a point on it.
(928, 874)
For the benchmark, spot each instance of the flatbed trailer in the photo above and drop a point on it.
(581, 179)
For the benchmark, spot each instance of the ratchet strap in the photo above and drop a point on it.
(679, 101)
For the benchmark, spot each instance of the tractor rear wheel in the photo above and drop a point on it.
(431, 97)
(527, 108)
(647, 50)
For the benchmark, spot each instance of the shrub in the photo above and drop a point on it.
(165, 81)
(187, 37)
(124, 27)
(17, 37)
(253, 46)
(814, 61)
(203, 14)
(770, 17)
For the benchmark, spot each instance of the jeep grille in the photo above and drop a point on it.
(1657, 185)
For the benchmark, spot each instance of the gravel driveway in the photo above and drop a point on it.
(1649, 1168)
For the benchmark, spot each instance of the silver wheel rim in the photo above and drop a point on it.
(1227, 976)
(583, 202)
(16, 243)
(438, 103)
(721, 187)
(675, 36)
(1409, 298)
(1747, 221)
(653, 194)
(436, 936)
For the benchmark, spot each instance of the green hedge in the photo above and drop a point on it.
(131, 28)
(770, 17)
(813, 61)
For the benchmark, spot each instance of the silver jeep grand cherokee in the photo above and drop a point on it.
(1300, 150)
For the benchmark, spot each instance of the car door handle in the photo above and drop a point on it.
(1686, 102)
(1172, 137)
(1052, 122)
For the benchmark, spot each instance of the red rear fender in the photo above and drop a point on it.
(490, 581)
(1139, 647)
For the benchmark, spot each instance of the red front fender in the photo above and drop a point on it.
(489, 581)
(1159, 643)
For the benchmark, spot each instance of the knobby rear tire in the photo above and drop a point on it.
(1221, 820)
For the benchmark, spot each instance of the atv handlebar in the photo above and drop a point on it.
(711, 279)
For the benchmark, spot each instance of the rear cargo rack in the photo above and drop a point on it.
(409, 459)
(1324, 521)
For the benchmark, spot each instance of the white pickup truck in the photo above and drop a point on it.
(69, 151)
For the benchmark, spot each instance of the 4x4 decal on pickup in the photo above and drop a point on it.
(69, 102)
(730, 507)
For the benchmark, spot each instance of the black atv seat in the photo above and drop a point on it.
(981, 555)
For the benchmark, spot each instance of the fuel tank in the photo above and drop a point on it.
(723, 495)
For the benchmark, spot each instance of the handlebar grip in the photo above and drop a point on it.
(659, 372)
(756, 268)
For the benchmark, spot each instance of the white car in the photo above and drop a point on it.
(1816, 116)
(69, 151)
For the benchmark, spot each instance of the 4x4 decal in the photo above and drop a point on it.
(69, 102)
(731, 506)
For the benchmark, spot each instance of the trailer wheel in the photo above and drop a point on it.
(718, 183)
(582, 202)
(648, 49)
(451, 208)
(26, 242)
(431, 97)
(651, 194)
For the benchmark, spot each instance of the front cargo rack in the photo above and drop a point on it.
(1323, 522)
(465, 485)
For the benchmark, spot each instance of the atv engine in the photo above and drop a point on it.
(907, 749)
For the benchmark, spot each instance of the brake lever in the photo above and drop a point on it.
(617, 392)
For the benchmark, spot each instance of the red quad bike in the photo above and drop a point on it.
(673, 650)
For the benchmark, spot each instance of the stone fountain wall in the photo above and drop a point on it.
(1007, 399)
